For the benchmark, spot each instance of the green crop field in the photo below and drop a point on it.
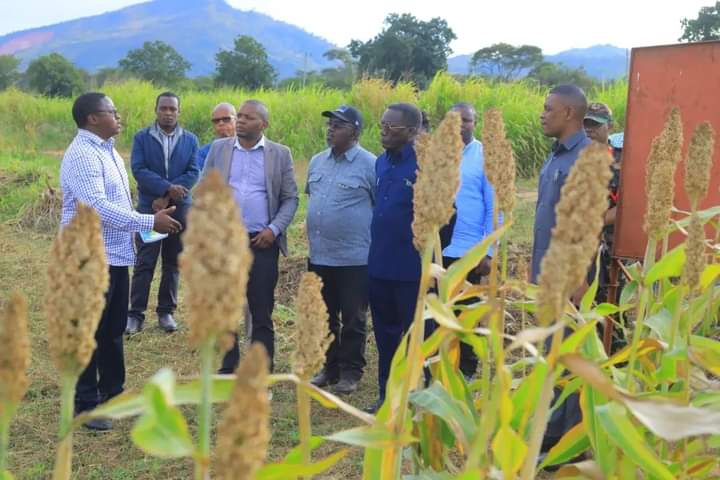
(33, 134)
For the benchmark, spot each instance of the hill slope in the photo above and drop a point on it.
(197, 29)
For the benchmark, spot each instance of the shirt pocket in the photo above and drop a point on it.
(313, 184)
(347, 192)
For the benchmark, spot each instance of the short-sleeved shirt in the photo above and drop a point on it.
(341, 195)
(552, 178)
(392, 253)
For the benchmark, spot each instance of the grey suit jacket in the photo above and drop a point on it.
(279, 180)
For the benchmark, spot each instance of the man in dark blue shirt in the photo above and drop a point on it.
(562, 119)
(393, 262)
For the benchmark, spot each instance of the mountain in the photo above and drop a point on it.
(197, 29)
(599, 61)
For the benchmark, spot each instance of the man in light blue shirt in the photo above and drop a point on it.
(474, 217)
(341, 195)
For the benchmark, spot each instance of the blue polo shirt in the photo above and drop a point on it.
(552, 178)
(392, 254)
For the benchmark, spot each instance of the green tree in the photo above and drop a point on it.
(505, 61)
(705, 27)
(111, 75)
(550, 74)
(156, 62)
(54, 75)
(246, 65)
(8, 71)
(407, 48)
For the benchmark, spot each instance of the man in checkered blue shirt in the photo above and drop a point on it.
(93, 172)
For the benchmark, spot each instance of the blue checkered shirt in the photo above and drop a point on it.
(93, 172)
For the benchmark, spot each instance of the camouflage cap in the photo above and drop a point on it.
(599, 112)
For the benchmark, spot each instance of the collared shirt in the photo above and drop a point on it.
(552, 178)
(93, 172)
(392, 253)
(474, 203)
(247, 179)
(167, 140)
(341, 195)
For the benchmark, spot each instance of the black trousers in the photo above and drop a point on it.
(261, 301)
(147, 254)
(468, 359)
(104, 376)
(392, 304)
(345, 291)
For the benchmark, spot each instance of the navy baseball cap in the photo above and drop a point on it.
(347, 114)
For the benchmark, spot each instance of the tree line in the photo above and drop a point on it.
(406, 49)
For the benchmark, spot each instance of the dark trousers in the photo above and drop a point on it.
(345, 291)
(468, 359)
(566, 416)
(104, 376)
(392, 304)
(147, 255)
(261, 301)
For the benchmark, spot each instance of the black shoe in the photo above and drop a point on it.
(372, 409)
(167, 322)
(345, 386)
(99, 424)
(134, 325)
(323, 379)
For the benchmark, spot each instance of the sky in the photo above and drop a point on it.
(553, 25)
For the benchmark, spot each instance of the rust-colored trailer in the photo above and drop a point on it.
(686, 76)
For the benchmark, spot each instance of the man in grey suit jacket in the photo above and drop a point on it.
(260, 172)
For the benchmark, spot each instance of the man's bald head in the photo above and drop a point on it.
(223, 120)
(224, 108)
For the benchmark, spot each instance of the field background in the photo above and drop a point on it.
(35, 130)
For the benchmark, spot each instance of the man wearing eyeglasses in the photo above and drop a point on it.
(341, 193)
(93, 172)
(393, 262)
(164, 165)
(223, 120)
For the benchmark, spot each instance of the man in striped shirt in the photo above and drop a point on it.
(93, 172)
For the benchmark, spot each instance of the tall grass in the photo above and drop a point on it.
(30, 122)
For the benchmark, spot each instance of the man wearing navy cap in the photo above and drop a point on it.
(340, 188)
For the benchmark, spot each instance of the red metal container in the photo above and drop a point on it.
(685, 76)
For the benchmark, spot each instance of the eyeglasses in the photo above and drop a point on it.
(222, 120)
(111, 112)
(389, 126)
